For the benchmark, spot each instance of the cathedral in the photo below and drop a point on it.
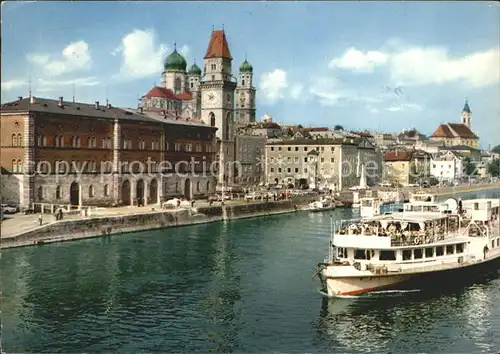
(213, 95)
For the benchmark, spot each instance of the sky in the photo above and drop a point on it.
(384, 66)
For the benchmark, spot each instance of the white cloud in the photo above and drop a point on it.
(273, 84)
(297, 91)
(404, 106)
(424, 66)
(356, 60)
(372, 109)
(13, 84)
(141, 57)
(415, 66)
(43, 85)
(74, 57)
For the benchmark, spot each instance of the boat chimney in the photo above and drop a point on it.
(32, 99)
(60, 104)
(19, 98)
(96, 104)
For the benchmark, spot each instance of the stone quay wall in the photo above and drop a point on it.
(66, 230)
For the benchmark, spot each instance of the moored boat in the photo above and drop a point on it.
(323, 204)
(387, 251)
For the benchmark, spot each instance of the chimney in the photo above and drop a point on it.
(60, 104)
(108, 105)
(32, 99)
(19, 98)
(96, 104)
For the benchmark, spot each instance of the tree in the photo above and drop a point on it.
(338, 127)
(496, 149)
(494, 168)
(470, 168)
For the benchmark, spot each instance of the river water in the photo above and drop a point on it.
(240, 286)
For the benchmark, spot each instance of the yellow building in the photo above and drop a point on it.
(406, 167)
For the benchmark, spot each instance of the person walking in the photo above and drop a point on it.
(40, 219)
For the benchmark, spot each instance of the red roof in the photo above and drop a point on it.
(185, 96)
(462, 130)
(161, 92)
(218, 47)
(442, 132)
(452, 130)
(393, 156)
(167, 93)
(317, 129)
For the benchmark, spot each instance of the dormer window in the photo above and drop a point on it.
(243, 82)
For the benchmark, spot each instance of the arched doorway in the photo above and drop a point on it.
(187, 189)
(153, 192)
(139, 192)
(74, 194)
(126, 192)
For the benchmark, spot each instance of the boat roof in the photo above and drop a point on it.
(416, 217)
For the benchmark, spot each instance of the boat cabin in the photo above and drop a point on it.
(370, 207)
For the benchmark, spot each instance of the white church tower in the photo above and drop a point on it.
(217, 101)
(467, 115)
(245, 96)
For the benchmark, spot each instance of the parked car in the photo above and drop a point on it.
(252, 196)
(9, 209)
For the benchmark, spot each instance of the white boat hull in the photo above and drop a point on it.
(351, 286)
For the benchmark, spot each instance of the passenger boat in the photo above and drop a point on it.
(423, 241)
(323, 204)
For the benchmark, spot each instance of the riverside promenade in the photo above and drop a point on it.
(23, 230)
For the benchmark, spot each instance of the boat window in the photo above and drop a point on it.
(450, 249)
(342, 252)
(439, 251)
(387, 256)
(493, 244)
(417, 253)
(498, 242)
(360, 254)
(406, 255)
(460, 248)
(429, 252)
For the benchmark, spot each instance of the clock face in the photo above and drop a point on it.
(211, 98)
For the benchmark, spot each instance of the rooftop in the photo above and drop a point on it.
(218, 47)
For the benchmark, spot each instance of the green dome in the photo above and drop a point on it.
(246, 67)
(175, 62)
(194, 70)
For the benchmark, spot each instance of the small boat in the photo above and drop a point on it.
(323, 204)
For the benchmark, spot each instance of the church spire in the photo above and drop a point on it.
(466, 106)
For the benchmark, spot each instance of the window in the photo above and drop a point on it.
(142, 145)
(272, 169)
(289, 148)
(42, 140)
(40, 193)
(406, 255)
(429, 252)
(305, 148)
(332, 160)
(305, 159)
(450, 249)
(322, 159)
(289, 170)
(14, 139)
(58, 192)
(92, 142)
(243, 82)
(439, 251)
(279, 169)
(212, 119)
(387, 255)
(296, 170)
(177, 147)
(14, 166)
(189, 147)
(417, 253)
(106, 190)
(91, 191)
(19, 166)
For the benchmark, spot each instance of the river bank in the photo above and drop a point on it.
(111, 223)
(106, 225)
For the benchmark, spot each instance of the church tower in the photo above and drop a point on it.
(467, 115)
(194, 79)
(245, 96)
(174, 76)
(217, 99)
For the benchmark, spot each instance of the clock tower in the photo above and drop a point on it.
(217, 101)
